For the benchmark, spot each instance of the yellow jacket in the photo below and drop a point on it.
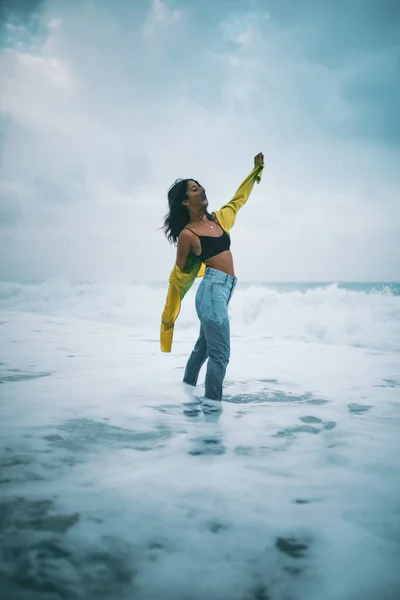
(181, 281)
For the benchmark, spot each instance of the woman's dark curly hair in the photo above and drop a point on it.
(178, 216)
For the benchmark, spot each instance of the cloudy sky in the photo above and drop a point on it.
(104, 103)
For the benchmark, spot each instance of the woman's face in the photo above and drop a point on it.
(196, 194)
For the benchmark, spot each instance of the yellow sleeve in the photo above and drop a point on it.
(169, 316)
(227, 214)
(179, 285)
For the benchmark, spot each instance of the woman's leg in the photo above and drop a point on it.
(213, 314)
(217, 334)
(196, 359)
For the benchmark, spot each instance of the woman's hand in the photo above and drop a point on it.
(259, 159)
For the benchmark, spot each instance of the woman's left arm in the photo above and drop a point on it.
(227, 213)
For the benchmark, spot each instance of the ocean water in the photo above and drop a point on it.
(117, 482)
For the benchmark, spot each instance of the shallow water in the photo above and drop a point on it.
(118, 482)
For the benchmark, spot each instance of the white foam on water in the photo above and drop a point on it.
(118, 482)
(327, 314)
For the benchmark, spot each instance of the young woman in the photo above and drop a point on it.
(204, 250)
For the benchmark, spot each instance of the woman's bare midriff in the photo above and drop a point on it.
(222, 262)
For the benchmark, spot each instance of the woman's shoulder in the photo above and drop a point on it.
(185, 234)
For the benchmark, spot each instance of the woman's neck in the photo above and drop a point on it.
(198, 218)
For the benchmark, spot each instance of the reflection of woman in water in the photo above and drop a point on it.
(204, 249)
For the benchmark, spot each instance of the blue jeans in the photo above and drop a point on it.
(212, 299)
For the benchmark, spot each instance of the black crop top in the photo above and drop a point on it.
(211, 246)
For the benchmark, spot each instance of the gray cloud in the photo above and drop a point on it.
(337, 32)
(360, 41)
(18, 18)
(108, 104)
(10, 211)
(374, 95)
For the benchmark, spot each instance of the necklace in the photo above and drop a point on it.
(211, 226)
